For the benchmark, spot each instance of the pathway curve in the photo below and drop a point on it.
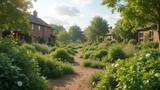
(77, 81)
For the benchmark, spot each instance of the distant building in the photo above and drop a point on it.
(39, 29)
(82, 37)
(109, 35)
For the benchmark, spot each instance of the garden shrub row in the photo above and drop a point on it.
(93, 64)
(140, 72)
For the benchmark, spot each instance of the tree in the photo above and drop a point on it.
(139, 13)
(13, 15)
(63, 36)
(123, 34)
(99, 26)
(90, 35)
(75, 32)
(57, 28)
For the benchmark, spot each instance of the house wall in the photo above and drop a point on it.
(147, 31)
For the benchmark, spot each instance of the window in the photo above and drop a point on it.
(141, 36)
(39, 28)
(151, 35)
(32, 26)
(46, 29)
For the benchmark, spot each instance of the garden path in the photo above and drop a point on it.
(77, 81)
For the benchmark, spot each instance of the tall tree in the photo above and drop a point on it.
(90, 35)
(63, 36)
(57, 28)
(99, 27)
(123, 34)
(75, 32)
(139, 13)
(13, 15)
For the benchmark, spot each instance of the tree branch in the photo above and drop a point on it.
(155, 4)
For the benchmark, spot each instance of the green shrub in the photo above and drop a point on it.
(18, 69)
(129, 50)
(115, 53)
(150, 45)
(93, 64)
(43, 48)
(140, 72)
(62, 55)
(42, 40)
(133, 41)
(87, 54)
(101, 53)
(95, 78)
(67, 68)
(28, 38)
(29, 47)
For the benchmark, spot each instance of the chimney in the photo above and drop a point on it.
(110, 28)
(35, 13)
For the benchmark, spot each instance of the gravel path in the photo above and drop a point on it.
(77, 81)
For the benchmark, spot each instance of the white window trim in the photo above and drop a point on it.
(139, 35)
(32, 26)
(39, 28)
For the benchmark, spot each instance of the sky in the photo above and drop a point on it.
(73, 12)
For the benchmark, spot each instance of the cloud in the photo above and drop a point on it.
(67, 10)
(56, 20)
(83, 1)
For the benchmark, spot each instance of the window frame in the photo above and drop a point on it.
(33, 27)
(39, 28)
(141, 37)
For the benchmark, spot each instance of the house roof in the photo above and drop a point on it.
(37, 20)
(110, 32)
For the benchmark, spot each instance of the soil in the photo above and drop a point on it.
(77, 81)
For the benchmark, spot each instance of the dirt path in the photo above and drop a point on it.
(77, 81)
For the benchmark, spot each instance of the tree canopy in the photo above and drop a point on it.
(63, 36)
(75, 32)
(123, 34)
(13, 15)
(98, 27)
(57, 28)
(139, 13)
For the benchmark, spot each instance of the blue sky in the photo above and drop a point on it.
(73, 12)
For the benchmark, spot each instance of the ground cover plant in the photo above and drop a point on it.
(141, 71)
(18, 68)
(93, 64)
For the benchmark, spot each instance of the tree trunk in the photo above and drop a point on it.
(158, 29)
(0, 34)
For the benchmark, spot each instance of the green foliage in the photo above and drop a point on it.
(150, 45)
(29, 47)
(95, 78)
(64, 36)
(75, 32)
(129, 50)
(99, 27)
(115, 53)
(133, 41)
(28, 38)
(99, 54)
(67, 68)
(62, 55)
(138, 72)
(13, 15)
(87, 54)
(43, 48)
(57, 28)
(18, 68)
(93, 64)
(42, 40)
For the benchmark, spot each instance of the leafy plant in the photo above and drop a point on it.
(43, 48)
(133, 41)
(93, 64)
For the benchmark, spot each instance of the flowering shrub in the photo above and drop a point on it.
(18, 68)
(62, 55)
(140, 72)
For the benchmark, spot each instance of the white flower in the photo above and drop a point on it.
(157, 74)
(19, 83)
(116, 65)
(106, 67)
(93, 83)
(131, 67)
(148, 55)
(140, 58)
(43, 77)
(113, 64)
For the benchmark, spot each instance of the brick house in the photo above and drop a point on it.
(152, 35)
(109, 35)
(39, 29)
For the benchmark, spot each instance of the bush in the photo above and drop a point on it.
(43, 48)
(115, 53)
(133, 41)
(95, 78)
(67, 68)
(150, 45)
(18, 69)
(42, 40)
(28, 38)
(138, 72)
(87, 54)
(62, 55)
(129, 50)
(101, 53)
(93, 64)
(29, 47)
